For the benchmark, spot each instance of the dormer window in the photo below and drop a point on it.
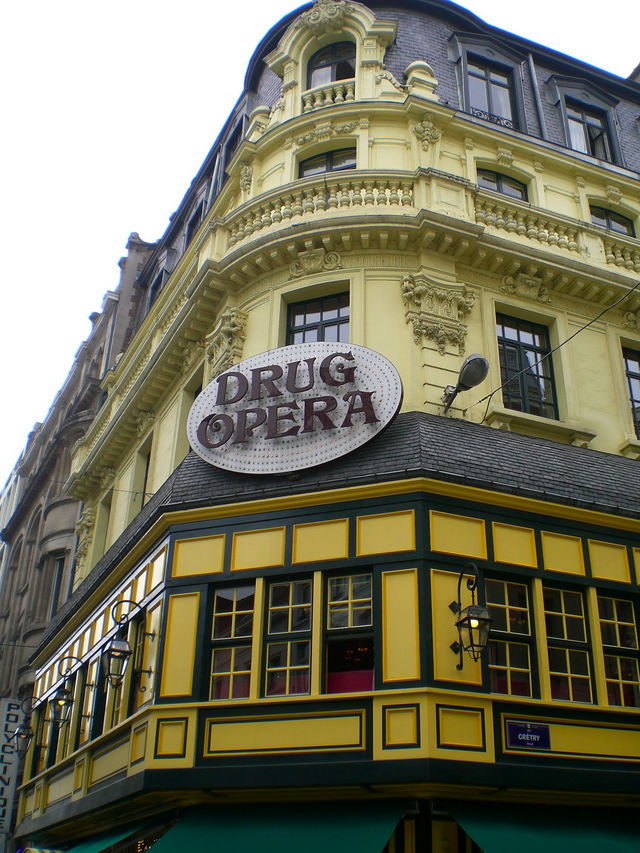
(490, 92)
(502, 184)
(334, 62)
(588, 131)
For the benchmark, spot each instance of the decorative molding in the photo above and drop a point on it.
(105, 476)
(427, 132)
(325, 130)
(313, 261)
(246, 174)
(84, 531)
(538, 165)
(225, 343)
(325, 15)
(613, 194)
(526, 285)
(192, 352)
(436, 311)
(630, 319)
(143, 420)
(387, 75)
(469, 143)
(505, 156)
(580, 181)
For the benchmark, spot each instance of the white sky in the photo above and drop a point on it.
(108, 112)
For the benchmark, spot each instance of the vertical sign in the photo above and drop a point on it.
(10, 716)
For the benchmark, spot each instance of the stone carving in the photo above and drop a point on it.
(436, 311)
(325, 131)
(538, 165)
(580, 181)
(192, 352)
(315, 260)
(526, 285)
(84, 529)
(613, 194)
(630, 320)
(224, 344)
(387, 75)
(325, 15)
(427, 132)
(246, 174)
(505, 156)
(143, 420)
(469, 143)
(105, 476)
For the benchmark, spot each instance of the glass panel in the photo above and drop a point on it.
(222, 627)
(280, 594)
(559, 687)
(478, 93)
(320, 76)
(555, 626)
(573, 603)
(344, 159)
(241, 686)
(519, 655)
(339, 617)
(278, 622)
(495, 592)
(500, 101)
(578, 663)
(575, 629)
(581, 689)
(557, 660)
(577, 136)
(520, 684)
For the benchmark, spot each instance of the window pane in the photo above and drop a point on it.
(500, 102)
(577, 136)
(478, 94)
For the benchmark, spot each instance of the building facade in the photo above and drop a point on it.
(404, 178)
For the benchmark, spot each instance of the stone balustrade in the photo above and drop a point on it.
(338, 191)
(330, 93)
(622, 254)
(523, 220)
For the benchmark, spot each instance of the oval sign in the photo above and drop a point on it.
(294, 407)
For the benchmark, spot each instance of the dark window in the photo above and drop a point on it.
(233, 143)
(332, 161)
(154, 290)
(194, 224)
(335, 62)
(509, 651)
(288, 638)
(611, 220)
(588, 131)
(323, 319)
(349, 635)
(632, 370)
(501, 184)
(231, 634)
(569, 666)
(490, 92)
(522, 346)
(620, 642)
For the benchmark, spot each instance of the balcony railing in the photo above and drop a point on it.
(339, 191)
(330, 93)
(526, 222)
(622, 254)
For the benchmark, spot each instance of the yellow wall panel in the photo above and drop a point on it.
(171, 738)
(609, 561)
(59, 787)
(258, 548)
(512, 544)
(156, 570)
(562, 553)
(401, 726)
(201, 556)
(180, 644)
(400, 626)
(109, 762)
(138, 743)
(386, 533)
(321, 540)
(306, 734)
(458, 534)
(444, 590)
(460, 727)
(636, 559)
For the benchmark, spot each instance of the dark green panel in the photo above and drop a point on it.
(102, 842)
(502, 828)
(280, 828)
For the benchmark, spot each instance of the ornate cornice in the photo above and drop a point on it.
(436, 311)
(526, 285)
(313, 261)
(325, 15)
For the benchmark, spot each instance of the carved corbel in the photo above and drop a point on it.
(143, 419)
(313, 261)
(84, 532)
(630, 319)
(427, 133)
(246, 175)
(224, 345)
(437, 311)
(526, 285)
(192, 352)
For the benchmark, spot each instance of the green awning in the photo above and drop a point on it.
(285, 828)
(505, 827)
(98, 843)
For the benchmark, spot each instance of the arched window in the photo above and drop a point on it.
(334, 62)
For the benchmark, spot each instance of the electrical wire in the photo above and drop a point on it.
(530, 367)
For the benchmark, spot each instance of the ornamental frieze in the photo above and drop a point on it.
(313, 261)
(526, 285)
(224, 345)
(143, 420)
(437, 311)
(325, 15)
(427, 133)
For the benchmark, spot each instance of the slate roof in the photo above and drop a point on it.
(416, 444)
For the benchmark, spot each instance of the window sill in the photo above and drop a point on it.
(565, 432)
(630, 447)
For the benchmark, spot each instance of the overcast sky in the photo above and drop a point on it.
(109, 109)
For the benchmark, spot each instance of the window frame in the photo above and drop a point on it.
(501, 178)
(510, 637)
(522, 348)
(628, 353)
(233, 642)
(329, 157)
(349, 632)
(322, 324)
(569, 645)
(289, 638)
(576, 93)
(332, 64)
(619, 651)
(609, 216)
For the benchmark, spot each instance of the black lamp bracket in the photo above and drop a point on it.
(123, 619)
(470, 571)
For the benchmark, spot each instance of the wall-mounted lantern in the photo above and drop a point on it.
(23, 735)
(118, 651)
(473, 371)
(63, 697)
(473, 622)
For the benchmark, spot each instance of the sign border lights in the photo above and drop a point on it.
(294, 407)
